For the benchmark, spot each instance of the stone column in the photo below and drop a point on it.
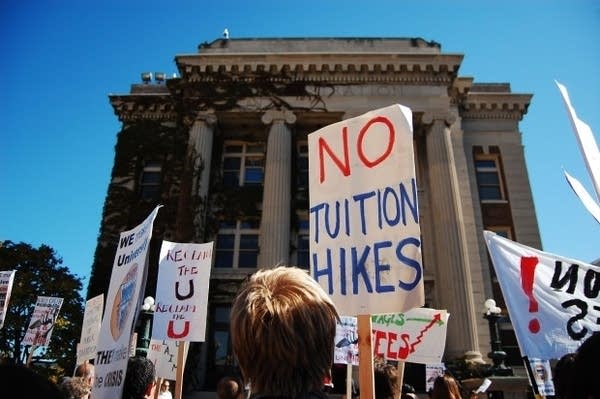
(448, 240)
(200, 146)
(274, 239)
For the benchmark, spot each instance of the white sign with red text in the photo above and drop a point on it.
(182, 291)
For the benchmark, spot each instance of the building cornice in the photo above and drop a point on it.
(421, 69)
(495, 106)
(130, 108)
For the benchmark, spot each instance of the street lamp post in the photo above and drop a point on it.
(146, 315)
(492, 315)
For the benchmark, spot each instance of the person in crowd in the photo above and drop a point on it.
(445, 387)
(282, 333)
(165, 390)
(386, 379)
(75, 388)
(562, 375)
(408, 392)
(139, 379)
(230, 387)
(30, 383)
(85, 370)
(586, 384)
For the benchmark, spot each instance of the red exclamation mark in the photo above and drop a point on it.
(528, 264)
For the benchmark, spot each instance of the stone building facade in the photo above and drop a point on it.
(223, 147)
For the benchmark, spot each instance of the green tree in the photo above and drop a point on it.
(39, 272)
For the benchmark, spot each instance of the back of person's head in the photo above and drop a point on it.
(445, 387)
(563, 375)
(139, 378)
(30, 383)
(230, 387)
(85, 370)
(282, 332)
(386, 379)
(586, 383)
(75, 387)
(408, 392)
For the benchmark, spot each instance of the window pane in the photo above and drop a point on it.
(303, 224)
(225, 224)
(302, 253)
(250, 224)
(490, 193)
(150, 177)
(255, 148)
(221, 347)
(232, 163)
(485, 163)
(488, 178)
(225, 241)
(223, 259)
(149, 192)
(253, 176)
(248, 259)
(249, 241)
(231, 179)
(254, 161)
(233, 148)
(222, 314)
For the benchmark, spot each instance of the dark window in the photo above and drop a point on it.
(489, 182)
(243, 164)
(150, 180)
(237, 245)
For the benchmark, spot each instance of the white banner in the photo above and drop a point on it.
(365, 247)
(552, 301)
(92, 318)
(182, 291)
(128, 273)
(416, 336)
(6, 282)
(42, 321)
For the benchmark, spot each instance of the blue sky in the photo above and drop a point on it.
(61, 59)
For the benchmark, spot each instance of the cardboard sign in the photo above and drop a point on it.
(182, 291)
(416, 336)
(42, 321)
(92, 318)
(365, 246)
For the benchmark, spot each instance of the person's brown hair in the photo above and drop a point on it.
(445, 387)
(387, 384)
(282, 332)
(230, 388)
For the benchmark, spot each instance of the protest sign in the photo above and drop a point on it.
(542, 377)
(433, 371)
(6, 282)
(163, 353)
(364, 220)
(42, 321)
(126, 282)
(346, 341)
(182, 291)
(92, 317)
(416, 336)
(552, 300)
